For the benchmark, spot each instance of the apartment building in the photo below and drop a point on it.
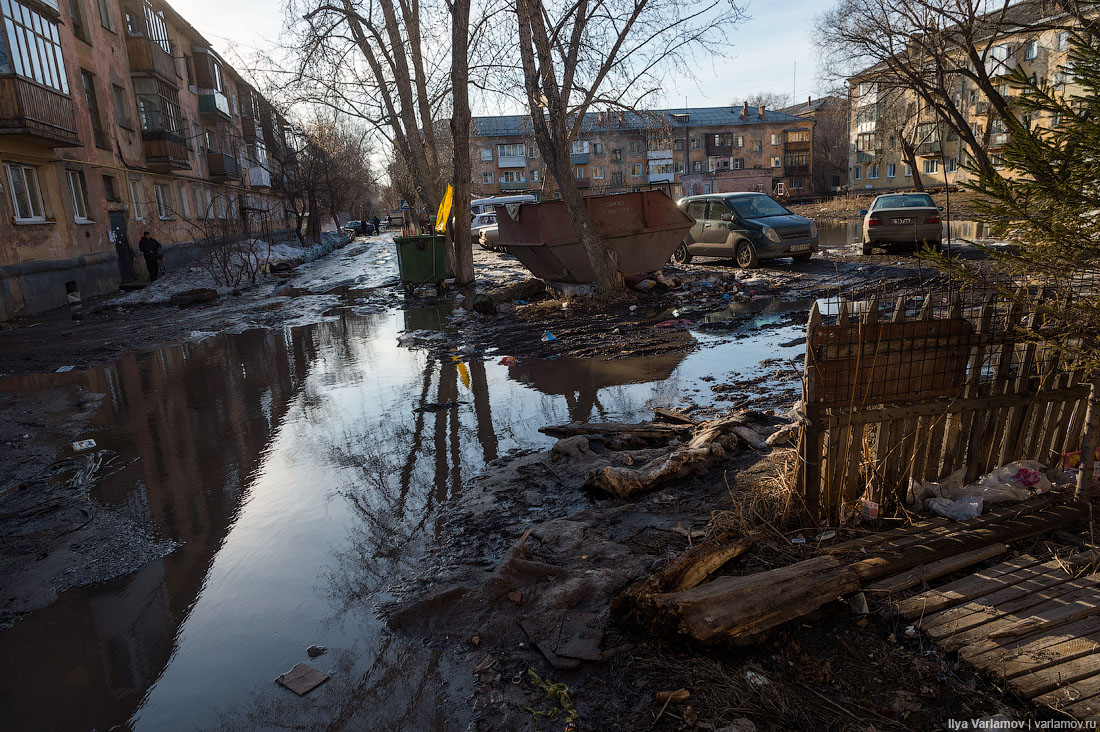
(829, 155)
(116, 118)
(885, 121)
(683, 151)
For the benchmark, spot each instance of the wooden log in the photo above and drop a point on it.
(644, 429)
(923, 573)
(671, 415)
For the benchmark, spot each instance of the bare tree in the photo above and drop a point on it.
(768, 99)
(580, 54)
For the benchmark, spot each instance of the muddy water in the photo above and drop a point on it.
(834, 234)
(303, 471)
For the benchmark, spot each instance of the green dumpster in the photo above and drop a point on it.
(420, 259)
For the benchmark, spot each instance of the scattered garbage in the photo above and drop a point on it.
(868, 508)
(964, 508)
(63, 369)
(858, 604)
(558, 693)
(547, 336)
(633, 308)
(79, 445)
(315, 651)
(756, 679)
(509, 361)
(302, 679)
(1015, 481)
(681, 323)
(826, 535)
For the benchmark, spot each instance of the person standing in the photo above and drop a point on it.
(150, 248)
(377, 226)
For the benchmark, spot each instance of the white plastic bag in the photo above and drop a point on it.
(960, 510)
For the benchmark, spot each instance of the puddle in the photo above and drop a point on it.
(834, 234)
(303, 471)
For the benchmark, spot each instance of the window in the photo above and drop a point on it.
(952, 165)
(857, 172)
(695, 143)
(578, 171)
(931, 166)
(757, 145)
(872, 172)
(1063, 40)
(88, 81)
(798, 136)
(635, 170)
(579, 147)
(510, 151)
(164, 202)
(137, 201)
(185, 206)
(25, 193)
(1031, 50)
(798, 159)
(738, 163)
(78, 187)
(34, 45)
(680, 166)
(511, 176)
(597, 148)
(892, 170)
(533, 152)
(158, 106)
(708, 188)
(104, 15)
(122, 109)
(616, 155)
(776, 161)
(797, 184)
(617, 178)
(534, 174)
(597, 172)
(712, 164)
(486, 153)
(696, 166)
(724, 139)
(908, 171)
(777, 139)
(739, 141)
(678, 144)
(866, 142)
(76, 14)
(110, 189)
(635, 146)
(486, 177)
(697, 210)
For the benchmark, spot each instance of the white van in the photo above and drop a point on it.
(485, 205)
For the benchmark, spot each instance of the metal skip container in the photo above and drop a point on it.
(642, 230)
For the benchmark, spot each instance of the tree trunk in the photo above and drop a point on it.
(460, 133)
(911, 160)
(1085, 483)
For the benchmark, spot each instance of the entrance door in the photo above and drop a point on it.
(122, 246)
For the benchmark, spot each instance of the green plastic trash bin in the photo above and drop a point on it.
(420, 259)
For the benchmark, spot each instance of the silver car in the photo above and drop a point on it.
(902, 218)
(483, 230)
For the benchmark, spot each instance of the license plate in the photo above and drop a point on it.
(903, 221)
(800, 248)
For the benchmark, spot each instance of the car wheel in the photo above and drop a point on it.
(681, 255)
(746, 256)
(802, 258)
(868, 247)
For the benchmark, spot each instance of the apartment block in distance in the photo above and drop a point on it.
(683, 151)
(884, 120)
(116, 118)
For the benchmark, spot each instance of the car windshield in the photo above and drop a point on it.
(918, 200)
(756, 207)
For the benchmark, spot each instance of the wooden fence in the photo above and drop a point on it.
(921, 391)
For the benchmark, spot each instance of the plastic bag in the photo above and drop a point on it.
(960, 510)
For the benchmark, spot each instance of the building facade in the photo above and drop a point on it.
(117, 118)
(885, 122)
(683, 151)
(829, 156)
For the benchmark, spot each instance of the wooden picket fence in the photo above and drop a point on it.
(922, 391)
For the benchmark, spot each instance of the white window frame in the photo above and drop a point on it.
(739, 141)
(857, 173)
(1063, 40)
(163, 196)
(635, 167)
(1031, 50)
(777, 138)
(597, 172)
(35, 205)
(78, 189)
(931, 166)
(135, 204)
(578, 171)
(891, 170)
(952, 165)
(185, 205)
(872, 172)
(534, 174)
(738, 163)
(486, 153)
(908, 171)
(487, 177)
(511, 150)
(777, 161)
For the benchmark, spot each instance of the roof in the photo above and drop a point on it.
(811, 105)
(682, 117)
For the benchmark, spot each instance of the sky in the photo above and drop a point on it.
(768, 48)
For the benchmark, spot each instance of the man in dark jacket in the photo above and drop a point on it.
(377, 225)
(150, 247)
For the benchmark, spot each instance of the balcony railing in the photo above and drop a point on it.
(661, 177)
(249, 129)
(583, 182)
(259, 176)
(929, 148)
(223, 166)
(36, 114)
(511, 161)
(864, 157)
(801, 145)
(147, 57)
(797, 169)
(164, 150)
(214, 105)
(579, 159)
(999, 139)
(659, 155)
(514, 185)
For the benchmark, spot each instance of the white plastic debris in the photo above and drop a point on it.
(80, 445)
(960, 510)
(63, 369)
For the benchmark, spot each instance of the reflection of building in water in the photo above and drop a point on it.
(198, 417)
(580, 380)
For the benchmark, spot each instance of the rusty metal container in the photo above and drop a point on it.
(642, 229)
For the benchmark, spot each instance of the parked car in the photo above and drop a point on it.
(746, 226)
(483, 230)
(359, 228)
(902, 218)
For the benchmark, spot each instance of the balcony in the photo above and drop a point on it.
(797, 146)
(213, 105)
(929, 148)
(583, 182)
(999, 139)
(36, 114)
(259, 176)
(514, 185)
(249, 130)
(864, 157)
(164, 151)
(797, 169)
(147, 57)
(223, 166)
(661, 177)
(511, 161)
(579, 158)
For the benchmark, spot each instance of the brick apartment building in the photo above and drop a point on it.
(683, 151)
(117, 117)
(830, 146)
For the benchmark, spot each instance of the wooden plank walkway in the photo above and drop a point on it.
(1035, 625)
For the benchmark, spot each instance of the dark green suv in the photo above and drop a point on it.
(746, 226)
